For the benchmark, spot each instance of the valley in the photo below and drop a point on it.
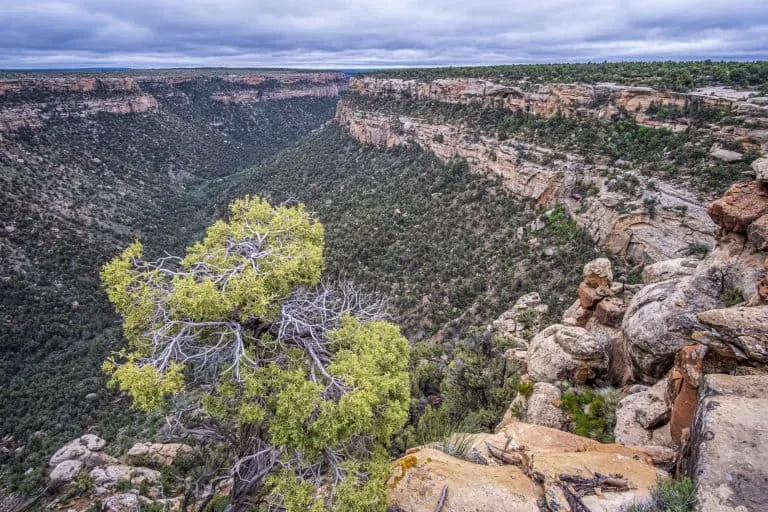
(575, 253)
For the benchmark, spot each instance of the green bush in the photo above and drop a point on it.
(669, 495)
(592, 413)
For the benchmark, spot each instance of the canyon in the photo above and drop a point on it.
(613, 218)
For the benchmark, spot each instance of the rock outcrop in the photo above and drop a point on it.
(545, 459)
(32, 102)
(566, 352)
(728, 456)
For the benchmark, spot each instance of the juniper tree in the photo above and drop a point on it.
(303, 382)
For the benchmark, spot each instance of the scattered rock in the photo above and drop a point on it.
(760, 166)
(726, 155)
(86, 448)
(522, 320)
(729, 444)
(124, 502)
(566, 352)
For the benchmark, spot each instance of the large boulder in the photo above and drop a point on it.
(86, 449)
(598, 273)
(642, 418)
(66, 471)
(757, 233)
(542, 407)
(160, 454)
(566, 352)
(729, 444)
(545, 457)
(737, 332)
(661, 317)
(741, 205)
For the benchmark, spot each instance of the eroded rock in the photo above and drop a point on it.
(737, 332)
(669, 269)
(741, 205)
(566, 352)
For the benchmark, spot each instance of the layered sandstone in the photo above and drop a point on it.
(29, 102)
(678, 221)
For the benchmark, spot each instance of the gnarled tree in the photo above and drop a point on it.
(303, 382)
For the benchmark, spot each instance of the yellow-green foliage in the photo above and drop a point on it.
(372, 360)
(277, 389)
(146, 385)
(295, 259)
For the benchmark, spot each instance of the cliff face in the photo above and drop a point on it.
(31, 102)
(612, 218)
(601, 100)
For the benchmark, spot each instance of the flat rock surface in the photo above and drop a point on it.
(729, 457)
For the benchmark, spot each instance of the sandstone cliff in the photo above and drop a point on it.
(678, 222)
(32, 101)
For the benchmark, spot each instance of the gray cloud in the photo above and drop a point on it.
(357, 33)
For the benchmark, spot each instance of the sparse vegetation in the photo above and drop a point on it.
(592, 413)
(669, 496)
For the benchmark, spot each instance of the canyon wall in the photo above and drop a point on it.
(29, 102)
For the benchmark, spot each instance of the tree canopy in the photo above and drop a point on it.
(304, 382)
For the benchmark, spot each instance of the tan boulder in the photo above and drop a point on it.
(155, 453)
(544, 454)
(610, 311)
(741, 205)
(598, 273)
(669, 269)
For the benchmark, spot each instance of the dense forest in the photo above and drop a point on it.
(668, 75)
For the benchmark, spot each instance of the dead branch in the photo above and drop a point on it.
(443, 496)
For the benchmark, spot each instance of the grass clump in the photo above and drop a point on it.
(669, 496)
(592, 413)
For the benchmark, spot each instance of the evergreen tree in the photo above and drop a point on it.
(304, 383)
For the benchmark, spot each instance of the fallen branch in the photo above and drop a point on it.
(441, 502)
(514, 458)
(583, 486)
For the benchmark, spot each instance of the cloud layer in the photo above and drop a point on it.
(374, 33)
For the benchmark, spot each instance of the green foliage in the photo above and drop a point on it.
(217, 504)
(84, 482)
(669, 495)
(732, 296)
(77, 192)
(677, 76)
(593, 414)
(525, 388)
(231, 290)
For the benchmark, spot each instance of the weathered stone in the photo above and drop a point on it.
(576, 315)
(543, 407)
(566, 352)
(66, 471)
(610, 311)
(736, 332)
(155, 453)
(512, 324)
(598, 273)
(669, 269)
(661, 317)
(757, 233)
(86, 448)
(588, 296)
(729, 444)
(639, 414)
(741, 205)
(109, 476)
(726, 155)
(760, 166)
(124, 502)
(419, 477)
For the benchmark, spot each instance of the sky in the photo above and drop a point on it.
(344, 34)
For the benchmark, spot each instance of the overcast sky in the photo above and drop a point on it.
(374, 33)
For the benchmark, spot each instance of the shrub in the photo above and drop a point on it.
(669, 496)
(592, 414)
(732, 296)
